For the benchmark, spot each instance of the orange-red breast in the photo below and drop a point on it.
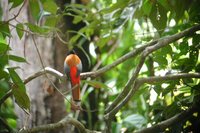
(73, 68)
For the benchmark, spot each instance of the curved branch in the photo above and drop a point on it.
(149, 80)
(125, 57)
(15, 16)
(160, 127)
(162, 42)
(136, 51)
(62, 123)
(47, 70)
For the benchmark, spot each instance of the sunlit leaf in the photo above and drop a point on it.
(135, 120)
(77, 19)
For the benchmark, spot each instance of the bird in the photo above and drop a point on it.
(73, 68)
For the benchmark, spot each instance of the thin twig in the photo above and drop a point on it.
(43, 66)
(15, 16)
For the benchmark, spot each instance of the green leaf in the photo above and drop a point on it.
(3, 47)
(119, 5)
(3, 74)
(197, 68)
(4, 87)
(51, 20)
(50, 6)
(135, 120)
(19, 90)
(146, 7)
(116, 127)
(38, 29)
(184, 89)
(165, 4)
(102, 41)
(16, 79)
(15, 3)
(96, 84)
(17, 58)
(194, 15)
(4, 29)
(158, 17)
(196, 41)
(77, 19)
(184, 48)
(20, 29)
(21, 98)
(34, 9)
(179, 8)
(3, 61)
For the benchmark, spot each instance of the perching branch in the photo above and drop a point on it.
(162, 42)
(160, 127)
(47, 70)
(62, 123)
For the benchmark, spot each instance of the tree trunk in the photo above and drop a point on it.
(47, 105)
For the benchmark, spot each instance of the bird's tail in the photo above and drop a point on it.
(76, 93)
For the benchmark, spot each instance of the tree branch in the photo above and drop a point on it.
(149, 80)
(62, 123)
(137, 51)
(47, 70)
(152, 80)
(125, 57)
(162, 42)
(167, 123)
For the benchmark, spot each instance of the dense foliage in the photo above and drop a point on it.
(114, 28)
